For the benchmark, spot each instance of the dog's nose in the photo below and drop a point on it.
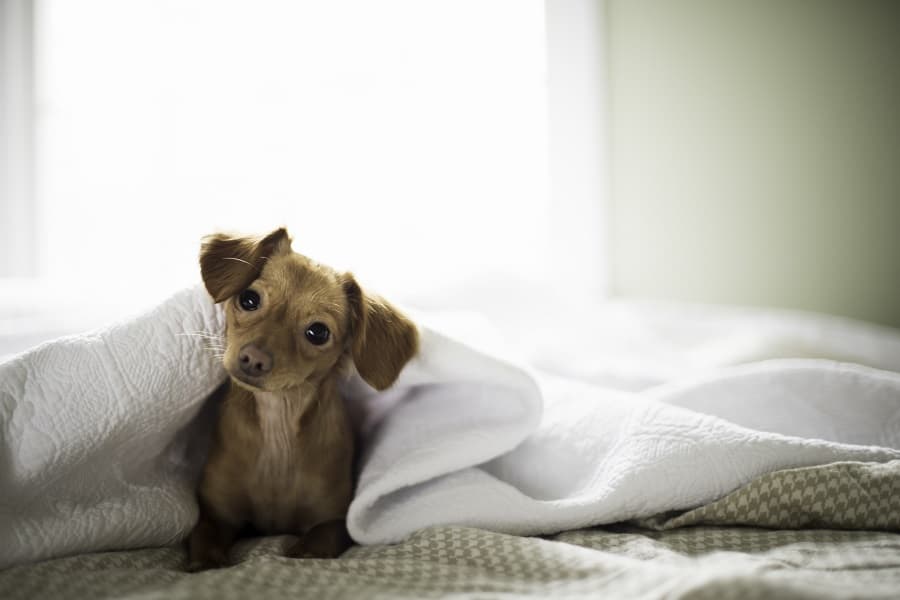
(254, 360)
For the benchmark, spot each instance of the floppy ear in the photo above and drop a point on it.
(382, 338)
(228, 263)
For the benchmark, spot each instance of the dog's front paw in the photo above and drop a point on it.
(208, 558)
(316, 547)
(326, 540)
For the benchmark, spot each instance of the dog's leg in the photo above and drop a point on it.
(210, 541)
(326, 540)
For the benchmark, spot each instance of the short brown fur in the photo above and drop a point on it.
(282, 456)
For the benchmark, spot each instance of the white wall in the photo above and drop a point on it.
(756, 153)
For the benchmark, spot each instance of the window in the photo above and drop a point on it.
(406, 140)
(16, 140)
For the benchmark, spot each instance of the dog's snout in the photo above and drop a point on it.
(255, 361)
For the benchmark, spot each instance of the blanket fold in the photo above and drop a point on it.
(99, 437)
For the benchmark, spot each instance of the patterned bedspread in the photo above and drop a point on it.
(845, 495)
(695, 562)
(703, 553)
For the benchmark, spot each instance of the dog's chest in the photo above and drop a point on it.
(278, 421)
(277, 486)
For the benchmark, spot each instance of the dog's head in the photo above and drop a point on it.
(291, 321)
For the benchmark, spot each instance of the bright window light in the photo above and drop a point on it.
(402, 139)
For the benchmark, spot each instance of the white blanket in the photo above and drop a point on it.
(102, 437)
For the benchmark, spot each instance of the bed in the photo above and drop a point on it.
(614, 562)
(823, 530)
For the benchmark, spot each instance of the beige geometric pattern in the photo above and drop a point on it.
(618, 562)
(845, 495)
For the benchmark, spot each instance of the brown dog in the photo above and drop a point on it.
(282, 457)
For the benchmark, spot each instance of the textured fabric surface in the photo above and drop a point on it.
(98, 435)
(97, 432)
(101, 433)
(700, 562)
(836, 496)
(600, 456)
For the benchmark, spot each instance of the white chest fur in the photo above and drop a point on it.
(277, 485)
(278, 417)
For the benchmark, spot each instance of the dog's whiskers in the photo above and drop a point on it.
(203, 335)
(217, 353)
(237, 259)
(212, 343)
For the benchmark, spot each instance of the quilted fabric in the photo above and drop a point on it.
(96, 434)
(697, 562)
(96, 451)
(103, 433)
(600, 457)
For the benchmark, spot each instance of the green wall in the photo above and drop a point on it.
(756, 153)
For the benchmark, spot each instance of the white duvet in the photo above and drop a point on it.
(102, 434)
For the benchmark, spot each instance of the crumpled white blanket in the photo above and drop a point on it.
(102, 437)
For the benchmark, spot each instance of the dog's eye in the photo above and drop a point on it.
(248, 300)
(317, 334)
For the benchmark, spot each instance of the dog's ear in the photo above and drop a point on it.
(382, 339)
(229, 263)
